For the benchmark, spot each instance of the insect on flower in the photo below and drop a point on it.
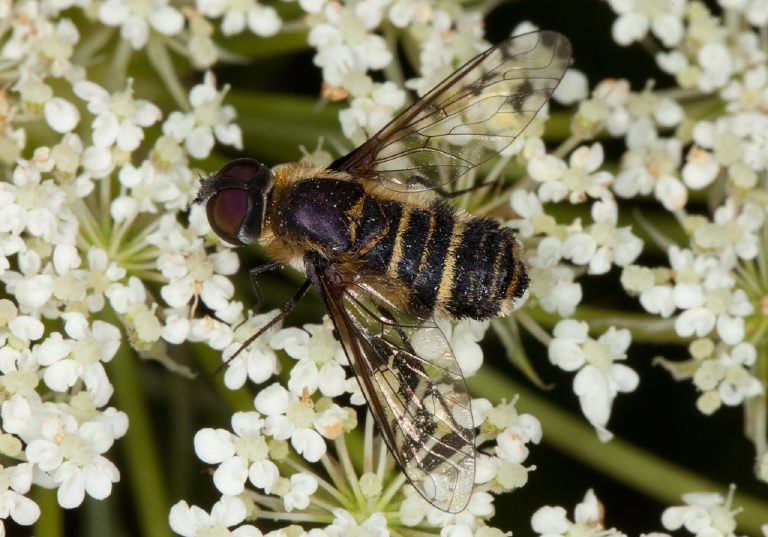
(388, 255)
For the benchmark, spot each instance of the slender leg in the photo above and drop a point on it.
(279, 317)
(256, 289)
(440, 191)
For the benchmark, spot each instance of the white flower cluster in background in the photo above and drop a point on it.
(705, 513)
(103, 259)
(77, 250)
(712, 286)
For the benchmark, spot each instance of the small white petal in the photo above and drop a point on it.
(99, 478)
(730, 329)
(247, 423)
(128, 136)
(309, 444)
(658, 300)
(105, 129)
(166, 20)
(26, 327)
(573, 88)
(579, 248)
(199, 142)
(688, 295)
(668, 28)
(698, 321)
(34, 292)
(176, 330)
(264, 475)
(228, 511)
(230, 476)
(264, 21)
(594, 395)
(214, 445)
(273, 400)
(550, 521)
(185, 520)
(16, 414)
(71, 492)
(61, 115)
(625, 378)
(65, 258)
(146, 113)
(566, 354)
(629, 28)
(24, 511)
(136, 31)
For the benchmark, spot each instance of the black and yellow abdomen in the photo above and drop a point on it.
(450, 263)
(424, 256)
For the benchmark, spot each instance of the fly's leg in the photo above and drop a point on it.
(276, 319)
(440, 191)
(254, 282)
(252, 274)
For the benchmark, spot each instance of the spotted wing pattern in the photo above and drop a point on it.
(413, 386)
(466, 119)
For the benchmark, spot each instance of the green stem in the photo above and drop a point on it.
(333, 468)
(158, 55)
(389, 493)
(756, 408)
(645, 327)
(618, 459)
(322, 483)
(368, 443)
(140, 449)
(51, 521)
(118, 67)
(343, 454)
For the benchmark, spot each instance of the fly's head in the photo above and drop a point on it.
(236, 199)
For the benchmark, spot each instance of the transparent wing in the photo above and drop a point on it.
(413, 386)
(466, 119)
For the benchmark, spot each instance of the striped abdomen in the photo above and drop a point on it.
(451, 263)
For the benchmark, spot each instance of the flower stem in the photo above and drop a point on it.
(140, 449)
(392, 489)
(51, 521)
(349, 468)
(624, 462)
(333, 468)
(368, 451)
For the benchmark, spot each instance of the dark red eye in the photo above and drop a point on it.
(227, 210)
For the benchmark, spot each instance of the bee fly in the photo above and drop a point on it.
(387, 257)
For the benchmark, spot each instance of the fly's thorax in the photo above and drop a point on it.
(330, 214)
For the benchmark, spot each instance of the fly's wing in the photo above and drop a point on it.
(466, 119)
(413, 386)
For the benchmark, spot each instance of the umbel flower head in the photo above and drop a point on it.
(267, 457)
(266, 460)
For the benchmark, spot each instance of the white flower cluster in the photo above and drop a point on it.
(588, 520)
(709, 288)
(78, 249)
(256, 455)
(559, 253)
(705, 514)
(599, 379)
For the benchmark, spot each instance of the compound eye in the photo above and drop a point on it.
(227, 210)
